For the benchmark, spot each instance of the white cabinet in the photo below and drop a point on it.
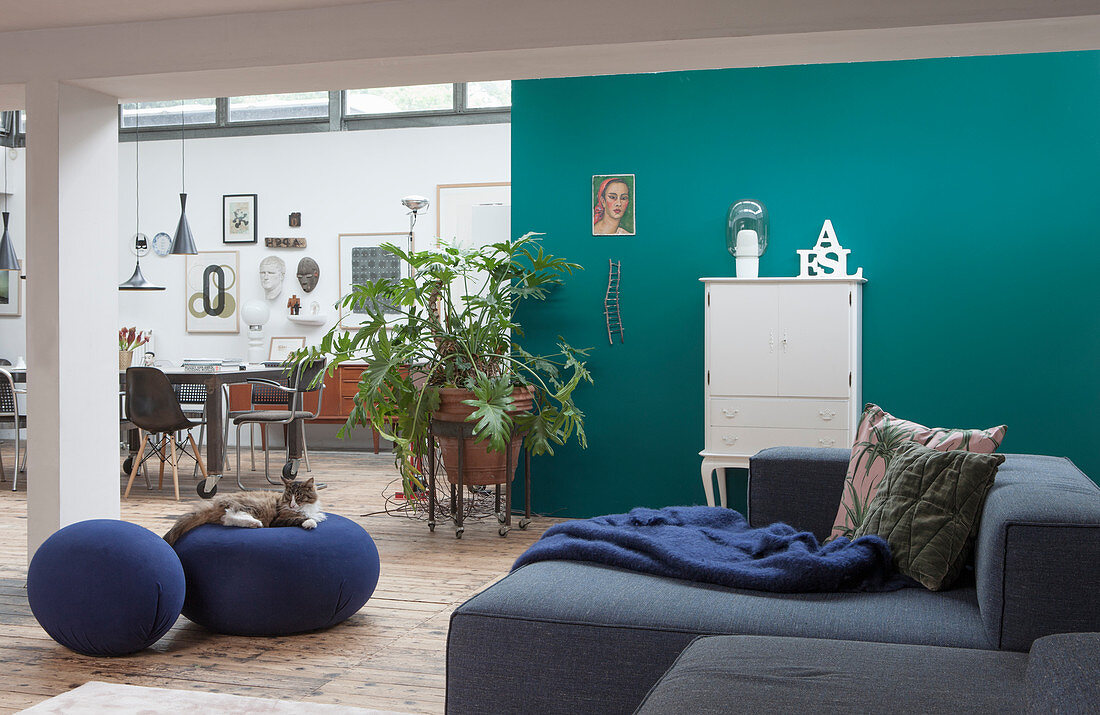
(782, 367)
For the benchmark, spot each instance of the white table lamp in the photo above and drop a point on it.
(255, 314)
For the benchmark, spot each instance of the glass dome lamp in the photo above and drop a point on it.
(747, 235)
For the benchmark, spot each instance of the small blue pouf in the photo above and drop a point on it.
(105, 587)
(277, 581)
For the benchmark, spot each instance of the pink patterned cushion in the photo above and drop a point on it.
(878, 437)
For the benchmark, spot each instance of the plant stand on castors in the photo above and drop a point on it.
(461, 431)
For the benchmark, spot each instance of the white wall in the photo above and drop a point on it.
(13, 333)
(341, 182)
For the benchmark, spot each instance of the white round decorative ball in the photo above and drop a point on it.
(255, 312)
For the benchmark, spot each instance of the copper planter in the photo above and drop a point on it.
(481, 467)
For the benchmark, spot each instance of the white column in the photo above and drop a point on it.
(72, 307)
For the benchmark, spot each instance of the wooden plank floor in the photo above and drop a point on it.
(390, 655)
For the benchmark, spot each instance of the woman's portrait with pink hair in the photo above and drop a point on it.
(613, 205)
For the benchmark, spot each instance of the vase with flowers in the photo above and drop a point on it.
(129, 339)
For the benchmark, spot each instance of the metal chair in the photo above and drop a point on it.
(192, 399)
(261, 395)
(152, 407)
(292, 398)
(9, 409)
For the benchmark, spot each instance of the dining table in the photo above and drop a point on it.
(215, 425)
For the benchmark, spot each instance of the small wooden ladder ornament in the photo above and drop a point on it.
(611, 303)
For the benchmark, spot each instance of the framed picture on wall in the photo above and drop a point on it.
(454, 205)
(239, 218)
(362, 259)
(281, 348)
(11, 293)
(613, 205)
(212, 292)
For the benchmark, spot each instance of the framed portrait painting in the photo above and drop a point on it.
(613, 205)
(281, 348)
(212, 291)
(362, 260)
(239, 218)
(11, 294)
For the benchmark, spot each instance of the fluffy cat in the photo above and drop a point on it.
(298, 505)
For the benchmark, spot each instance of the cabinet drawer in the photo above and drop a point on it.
(765, 412)
(724, 439)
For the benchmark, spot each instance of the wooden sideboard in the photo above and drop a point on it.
(337, 399)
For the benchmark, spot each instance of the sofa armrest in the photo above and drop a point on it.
(1061, 674)
(800, 486)
(1037, 553)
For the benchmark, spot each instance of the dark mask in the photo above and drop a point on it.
(308, 274)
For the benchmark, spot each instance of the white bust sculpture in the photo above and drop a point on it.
(272, 272)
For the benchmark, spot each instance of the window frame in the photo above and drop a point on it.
(337, 120)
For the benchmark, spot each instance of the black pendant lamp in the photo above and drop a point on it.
(8, 260)
(183, 243)
(141, 243)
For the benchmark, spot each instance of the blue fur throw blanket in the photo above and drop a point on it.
(717, 545)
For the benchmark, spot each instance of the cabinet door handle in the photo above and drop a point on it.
(730, 413)
(784, 340)
(729, 439)
(827, 441)
(827, 414)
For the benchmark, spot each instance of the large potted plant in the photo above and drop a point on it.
(443, 344)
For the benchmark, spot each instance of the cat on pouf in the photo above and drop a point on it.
(298, 505)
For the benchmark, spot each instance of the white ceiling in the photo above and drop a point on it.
(146, 49)
(47, 14)
(753, 16)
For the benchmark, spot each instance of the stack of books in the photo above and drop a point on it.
(202, 365)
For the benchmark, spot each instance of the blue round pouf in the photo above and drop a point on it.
(105, 587)
(277, 581)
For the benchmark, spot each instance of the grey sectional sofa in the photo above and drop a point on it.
(763, 674)
(563, 636)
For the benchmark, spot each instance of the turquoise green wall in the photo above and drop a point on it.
(968, 189)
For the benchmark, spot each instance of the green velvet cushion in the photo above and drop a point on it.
(927, 508)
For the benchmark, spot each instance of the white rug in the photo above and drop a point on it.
(95, 697)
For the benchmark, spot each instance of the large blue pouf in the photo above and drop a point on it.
(277, 581)
(105, 587)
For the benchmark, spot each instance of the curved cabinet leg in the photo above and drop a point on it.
(720, 472)
(708, 487)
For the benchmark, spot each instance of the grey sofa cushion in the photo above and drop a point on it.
(610, 634)
(762, 674)
(1037, 555)
(800, 486)
(1063, 674)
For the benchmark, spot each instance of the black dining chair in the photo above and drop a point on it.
(292, 400)
(152, 407)
(9, 409)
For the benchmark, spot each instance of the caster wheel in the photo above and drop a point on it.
(431, 527)
(503, 531)
(201, 489)
(128, 465)
(500, 517)
(524, 523)
(458, 532)
(290, 470)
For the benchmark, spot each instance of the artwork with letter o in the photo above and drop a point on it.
(105, 587)
(212, 290)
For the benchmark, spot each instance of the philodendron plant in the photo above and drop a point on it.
(452, 323)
